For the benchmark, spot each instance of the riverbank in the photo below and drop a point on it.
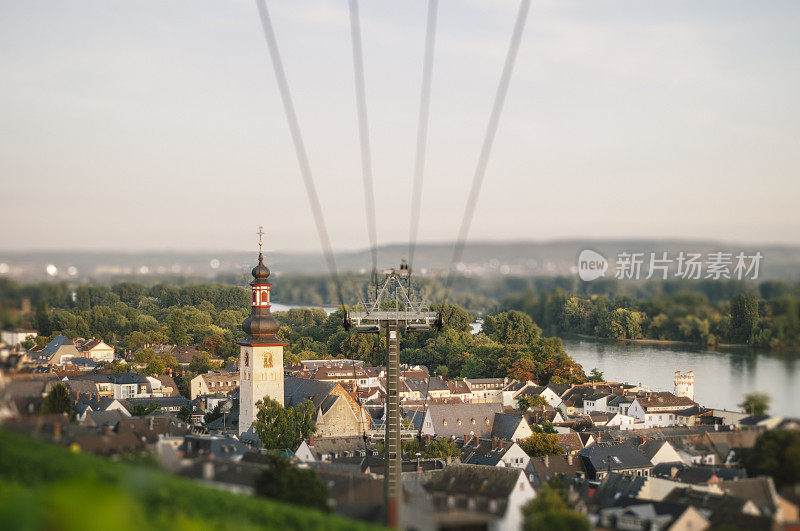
(677, 343)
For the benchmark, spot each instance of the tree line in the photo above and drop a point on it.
(765, 318)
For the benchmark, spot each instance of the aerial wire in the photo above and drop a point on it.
(299, 146)
(488, 141)
(363, 132)
(422, 129)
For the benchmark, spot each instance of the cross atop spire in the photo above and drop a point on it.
(260, 238)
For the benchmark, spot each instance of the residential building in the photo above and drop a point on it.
(494, 452)
(17, 336)
(482, 496)
(658, 409)
(460, 419)
(601, 458)
(213, 382)
(97, 350)
(58, 352)
(510, 427)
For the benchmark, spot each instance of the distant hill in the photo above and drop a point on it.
(523, 258)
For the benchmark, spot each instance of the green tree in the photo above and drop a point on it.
(278, 427)
(185, 414)
(142, 410)
(540, 444)
(528, 401)
(155, 367)
(595, 375)
(756, 403)
(57, 401)
(284, 482)
(201, 363)
(178, 326)
(144, 356)
(42, 319)
(550, 511)
(213, 415)
(441, 448)
(775, 454)
(511, 328)
(744, 317)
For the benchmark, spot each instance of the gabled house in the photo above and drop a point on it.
(510, 427)
(460, 419)
(653, 410)
(622, 422)
(487, 389)
(337, 413)
(97, 350)
(541, 469)
(58, 352)
(570, 442)
(493, 452)
(659, 451)
(214, 382)
(635, 515)
(602, 458)
(596, 402)
(479, 496)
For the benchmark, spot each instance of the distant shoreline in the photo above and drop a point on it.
(664, 342)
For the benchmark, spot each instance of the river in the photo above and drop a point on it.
(721, 377)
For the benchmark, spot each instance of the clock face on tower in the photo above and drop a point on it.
(268, 360)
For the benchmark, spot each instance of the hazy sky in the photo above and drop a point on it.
(157, 124)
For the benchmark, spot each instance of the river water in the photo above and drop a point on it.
(721, 377)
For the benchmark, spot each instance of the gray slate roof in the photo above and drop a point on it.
(457, 419)
(298, 390)
(620, 456)
(505, 425)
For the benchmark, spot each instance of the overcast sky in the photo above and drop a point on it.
(158, 125)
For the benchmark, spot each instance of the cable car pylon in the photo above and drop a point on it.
(394, 310)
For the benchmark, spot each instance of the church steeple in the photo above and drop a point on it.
(260, 352)
(260, 326)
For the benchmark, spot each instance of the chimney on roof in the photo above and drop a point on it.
(466, 438)
(495, 443)
(208, 470)
(311, 441)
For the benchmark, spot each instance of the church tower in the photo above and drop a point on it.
(261, 352)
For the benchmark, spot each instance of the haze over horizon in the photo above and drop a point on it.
(147, 126)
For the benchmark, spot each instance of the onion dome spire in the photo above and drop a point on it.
(261, 324)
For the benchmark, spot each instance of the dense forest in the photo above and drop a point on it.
(765, 316)
(132, 317)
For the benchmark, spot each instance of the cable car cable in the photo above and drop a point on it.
(422, 128)
(488, 141)
(299, 146)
